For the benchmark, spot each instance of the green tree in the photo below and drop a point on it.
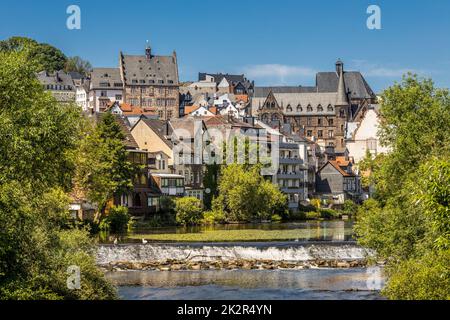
(117, 220)
(211, 184)
(189, 211)
(45, 56)
(104, 169)
(245, 195)
(37, 241)
(408, 223)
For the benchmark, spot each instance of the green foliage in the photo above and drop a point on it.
(37, 241)
(214, 217)
(33, 148)
(44, 56)
(103, 167)
(408, 223)
(189, 211)
(423, 278)
(312, 215)
(117, 221)
(167, 205)
(329, 214)
(350, 208)
(211, 182)
(276, 218)
(245, 195)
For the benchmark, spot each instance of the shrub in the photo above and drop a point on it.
(312, 215)
(276, 218)
(328, 214)
(189, 211)
(298, 216)
(117, 221)
(214, 217)
(167, 205)
(350, 208)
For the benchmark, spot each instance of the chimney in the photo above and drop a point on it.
(148, 51)
(339, 67)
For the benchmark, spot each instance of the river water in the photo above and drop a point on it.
(331, 240)
(311, 284)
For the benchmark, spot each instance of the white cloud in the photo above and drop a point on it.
(278, 73)
(375, 70)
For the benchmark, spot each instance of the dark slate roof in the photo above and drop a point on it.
(232, 79)
(56, 78)
(104, 78)
(262, 92)
(158, 70)
(160, 128)
(354, 83)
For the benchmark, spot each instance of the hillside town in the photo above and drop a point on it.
(321, 132)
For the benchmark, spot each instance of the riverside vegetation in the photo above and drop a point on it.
(408, 221)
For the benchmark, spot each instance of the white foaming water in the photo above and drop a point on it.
(291, 253)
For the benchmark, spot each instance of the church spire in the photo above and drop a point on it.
(342, 99)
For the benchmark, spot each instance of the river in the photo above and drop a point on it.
(325, 241)
(311, 284)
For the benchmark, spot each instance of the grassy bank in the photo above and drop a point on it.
(245, 235)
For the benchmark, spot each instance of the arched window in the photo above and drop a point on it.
(320, 108)
(310, 109)
(275, 117)
(330, 108)
(299, 108)
(273, 105)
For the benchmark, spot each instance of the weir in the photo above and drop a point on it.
(288, 252)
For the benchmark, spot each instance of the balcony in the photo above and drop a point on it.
(290, 160)
(289, 146)
(296, 190)
(290, 175)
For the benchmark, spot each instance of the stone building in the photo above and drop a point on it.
(106, 87)
(151, 81)
(60, 84)
(320, 113)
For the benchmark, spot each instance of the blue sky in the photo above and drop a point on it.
(274, 42)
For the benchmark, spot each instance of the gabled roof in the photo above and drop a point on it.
(155, 70)
(336, 165)
(354, 82)
(159, 127)
(106, 78)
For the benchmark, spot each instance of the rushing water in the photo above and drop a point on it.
(330, 240)
(312, 284)
(285, 251)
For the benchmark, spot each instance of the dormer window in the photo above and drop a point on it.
(310, 109)
(320, 108)
(289, 108)
(299, 108)
(330, 108)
